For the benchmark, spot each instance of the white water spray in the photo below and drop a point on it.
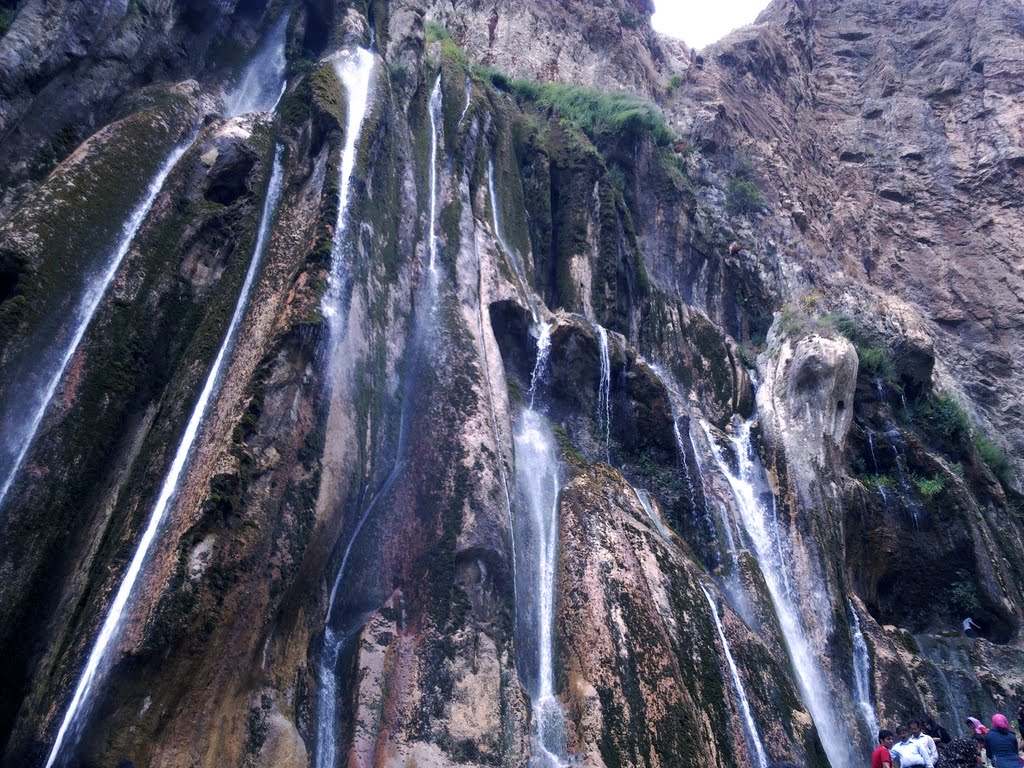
(759, 518)
(354, 70)
(541, 363)
(263, 83)
(20, 430)
(469, 96)
(737, 684)
(604, 400)
(435, 118)
(645, 501)
(512, 255)
(862, 674)
(538, 484)
(112, 624)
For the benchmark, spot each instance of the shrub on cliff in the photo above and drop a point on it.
(943, 416)
(994, 458)
(597, 113)
(742, 196)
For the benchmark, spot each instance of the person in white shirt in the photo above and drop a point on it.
(909, 754)
(926, 742)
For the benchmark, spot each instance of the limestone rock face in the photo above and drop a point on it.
(588, 43)
(760, 308)
(806, 405)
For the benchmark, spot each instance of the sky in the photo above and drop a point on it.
(701, 22)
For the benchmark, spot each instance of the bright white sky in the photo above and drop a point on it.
(701, 22)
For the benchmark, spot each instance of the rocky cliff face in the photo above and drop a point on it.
(410, 383)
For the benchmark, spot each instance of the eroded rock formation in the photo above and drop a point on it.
(575, 360)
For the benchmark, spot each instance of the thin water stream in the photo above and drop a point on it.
(604, 399)
(112, 624)
(862, 674)
(538, 484)
(753, 736)
(512, 254)
(263, 83)
(21, 423)
(757, 511)
(354, 69)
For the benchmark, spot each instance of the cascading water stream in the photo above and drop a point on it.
(20, 428)
(465, 109)
(512, 255)
(111, 628)
(435, 117)
(750, 487)
(354, 70)
(645, 501)
(263, 83)
(737, 684)
(862, 674)
(538, 484)
(541, 363)
(604, 400)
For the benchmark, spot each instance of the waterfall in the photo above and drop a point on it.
(538, 484)
(512, 255)
(942, 658)
(541, 363)
(759, 517)
(604, 401)
(263, 83)
(862, 674)
(354, 70)
(465, 109)
(115, 614)
(435, 117)
(645, 501)
(737, 684)
(20, 428)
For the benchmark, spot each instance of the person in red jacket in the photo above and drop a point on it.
(881, 758)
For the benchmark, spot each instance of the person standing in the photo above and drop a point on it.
(936, 731)
(1001, 744)
(1020, 720)
(926, 742)
(909, 754)
(881, 758)
(976, 727)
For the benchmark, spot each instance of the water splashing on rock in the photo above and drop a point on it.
(263, 83)
(21, 424)
(112, 624)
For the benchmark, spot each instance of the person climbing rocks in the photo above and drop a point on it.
(970, 628)
(976, 727)
(881, 758)
(909, 753)
(1001, 744)
(936, 731)
(923, 740)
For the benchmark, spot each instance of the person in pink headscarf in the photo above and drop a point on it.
(1001, 744)
(976, 727)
